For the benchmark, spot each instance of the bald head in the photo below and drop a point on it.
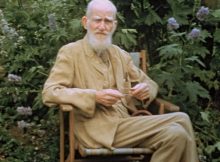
(106, 5)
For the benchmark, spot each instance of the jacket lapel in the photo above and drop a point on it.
(118, 68)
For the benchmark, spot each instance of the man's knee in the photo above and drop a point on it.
(183, 117)
(176, 133)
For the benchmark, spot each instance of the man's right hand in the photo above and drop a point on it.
(108, 97)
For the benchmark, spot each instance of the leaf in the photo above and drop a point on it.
(2, 72)
(216, 13)
(127, 37)
(195, 59)
(217, 35)
(121, 17)
(170, 51)
(217, 145)
(209, 149)
(135, 10)
(169, 79)
(180, 11)
(205, 34)
(76, 24)
(152, 17)
(127, 31)
(146, 4)
(177, 35)
(205, 116)
(204, 75)
(198, 50)
(195, 90)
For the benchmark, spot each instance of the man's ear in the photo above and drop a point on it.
(84, 22)
(116, 23)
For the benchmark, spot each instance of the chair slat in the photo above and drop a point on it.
(117, 151)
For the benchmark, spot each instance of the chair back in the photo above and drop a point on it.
(140, 59)
(136, 58)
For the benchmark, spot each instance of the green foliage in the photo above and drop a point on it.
(186, 74)
(180, 10)
(126, 37)
(31, 32)
(182, 59)
(39, 142)
(208, 128)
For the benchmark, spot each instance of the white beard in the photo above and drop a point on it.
(99, 45)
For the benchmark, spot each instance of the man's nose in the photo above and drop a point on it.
(102, 25)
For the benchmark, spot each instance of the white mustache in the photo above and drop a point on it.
(101, 32)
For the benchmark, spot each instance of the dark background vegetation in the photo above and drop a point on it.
(31, 32)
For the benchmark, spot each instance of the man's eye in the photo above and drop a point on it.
(108, 21)
(97, 20)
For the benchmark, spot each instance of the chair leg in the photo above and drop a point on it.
(71, 137)
(161, 109)
(61, 136)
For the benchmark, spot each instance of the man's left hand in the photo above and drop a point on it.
(140, 91)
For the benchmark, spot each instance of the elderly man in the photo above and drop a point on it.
(91, 75)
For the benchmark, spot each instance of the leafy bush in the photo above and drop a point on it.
(186, 68)
(185, 73)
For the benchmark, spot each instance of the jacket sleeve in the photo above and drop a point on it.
(138, 76)
(58, 88)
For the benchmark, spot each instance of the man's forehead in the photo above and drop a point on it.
(102, 11)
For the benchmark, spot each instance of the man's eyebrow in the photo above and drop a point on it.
(97, 17)
(107, 17)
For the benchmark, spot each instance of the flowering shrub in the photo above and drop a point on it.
(186, 78)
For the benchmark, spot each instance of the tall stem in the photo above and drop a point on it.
(20, 4)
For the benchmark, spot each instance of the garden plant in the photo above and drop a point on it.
(182, 38)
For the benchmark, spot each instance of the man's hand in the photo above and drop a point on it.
(108, 97)
(140, 91)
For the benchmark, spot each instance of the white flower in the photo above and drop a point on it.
(24, 110)
(14, 78)
(6, 30)
(22, 124)
(52, 22)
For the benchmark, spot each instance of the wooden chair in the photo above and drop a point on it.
(77, 153)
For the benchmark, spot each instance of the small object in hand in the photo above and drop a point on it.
(126, 88)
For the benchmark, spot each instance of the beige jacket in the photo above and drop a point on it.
(74, 79)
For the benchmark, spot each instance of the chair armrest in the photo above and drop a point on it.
(69, 109)
(65, 107)
(167, 105)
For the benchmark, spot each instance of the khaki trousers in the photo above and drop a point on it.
(169, 135)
